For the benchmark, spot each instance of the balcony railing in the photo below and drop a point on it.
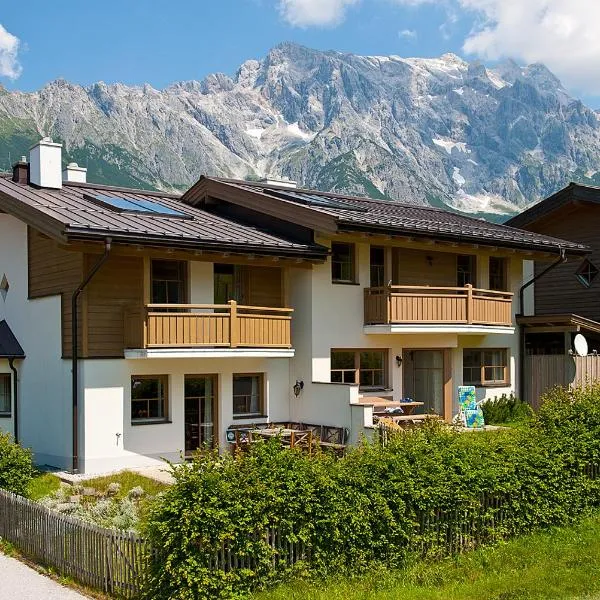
(208, 325)
(402, 304)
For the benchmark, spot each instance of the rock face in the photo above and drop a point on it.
(438, 131)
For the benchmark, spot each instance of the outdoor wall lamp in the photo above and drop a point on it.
(298, 387)
(398, 360)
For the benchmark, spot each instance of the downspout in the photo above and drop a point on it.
(75, 349)
(559, 261)
(11, 364)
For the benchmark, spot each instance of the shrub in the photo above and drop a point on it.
(505, 409)
(16, 466)
(374, 504)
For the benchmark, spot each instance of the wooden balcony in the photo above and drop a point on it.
(401, 304)
(208, 325)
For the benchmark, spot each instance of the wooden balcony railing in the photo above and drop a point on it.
(215, 325)
(437, 305)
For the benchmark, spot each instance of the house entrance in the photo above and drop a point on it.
(423, 373)
(200, 412)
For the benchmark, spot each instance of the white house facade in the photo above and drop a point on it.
(237, 305)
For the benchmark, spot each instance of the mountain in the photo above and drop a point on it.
(440, 131)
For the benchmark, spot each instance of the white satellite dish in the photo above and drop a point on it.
(581, 345)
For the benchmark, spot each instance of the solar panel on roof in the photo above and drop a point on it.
(321, 201)
(135, 205)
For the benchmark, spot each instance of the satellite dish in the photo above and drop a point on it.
(581, 345)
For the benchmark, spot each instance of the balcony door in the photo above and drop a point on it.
(229, 284)
(200, 397)
(169, 282)
(424, 379)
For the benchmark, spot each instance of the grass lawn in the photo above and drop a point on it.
(128, 480)
(43, 484)
(560, 563)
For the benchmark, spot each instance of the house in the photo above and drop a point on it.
(564, 296)
(152, 324)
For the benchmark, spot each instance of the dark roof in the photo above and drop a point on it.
(350, 213)
(571, 193)
(9, 345)
(71, 214)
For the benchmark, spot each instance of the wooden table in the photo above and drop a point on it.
(380, 404)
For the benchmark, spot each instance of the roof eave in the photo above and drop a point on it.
(350, 226)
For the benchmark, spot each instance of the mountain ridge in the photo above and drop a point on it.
(439, 131)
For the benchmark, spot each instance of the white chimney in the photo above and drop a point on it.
(288, 183)
(45, 164)
(74, 173)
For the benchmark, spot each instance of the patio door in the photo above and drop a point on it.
(424, 379)
(200, 414)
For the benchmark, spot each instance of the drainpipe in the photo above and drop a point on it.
(11, 364)
(74, 358)
(559, 261)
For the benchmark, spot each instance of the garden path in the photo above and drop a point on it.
(20, 582)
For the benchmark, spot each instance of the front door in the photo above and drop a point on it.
(200, 397)
(424, 379)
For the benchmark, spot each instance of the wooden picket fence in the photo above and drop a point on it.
(118, 563)
(115, 562)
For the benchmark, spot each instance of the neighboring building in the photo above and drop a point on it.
(564, 299)
(240, 303)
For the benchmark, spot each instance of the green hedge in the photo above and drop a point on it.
(505, 409)
(16, 466)
(365, 507)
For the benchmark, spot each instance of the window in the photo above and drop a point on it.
(586, 273)
(248, 395)
(342, 263)
(465, 270)
(5, 396)
(149, 398)
(229, 283)
(377, 266)
(485, 367)
(498, 274)
(169, 282)
(365, 367)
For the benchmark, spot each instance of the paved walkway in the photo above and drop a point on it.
(20, 582)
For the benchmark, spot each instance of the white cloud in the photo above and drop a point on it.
(9, 48)
(562, 34)
(306, 13)
(408, 34)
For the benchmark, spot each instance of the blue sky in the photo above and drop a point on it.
(155, 41)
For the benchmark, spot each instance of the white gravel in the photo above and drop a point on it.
(20, 582)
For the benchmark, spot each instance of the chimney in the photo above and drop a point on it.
(288, 183)
(45, 162)
(21, 171)
(73, 173)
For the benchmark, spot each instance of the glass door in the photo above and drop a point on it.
(424, 379)
(200, 397)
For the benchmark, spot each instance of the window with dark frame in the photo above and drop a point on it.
(5, 395)
(248, 394)
(342, 263)
(586, 273)
(377, 266)
(466, 265)
(149, 398)
(169, 282)
(498, 274)
(368, 368)
(485, 367)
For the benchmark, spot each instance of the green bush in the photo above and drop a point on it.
(16, 466)
(366, 507)
(505, 409)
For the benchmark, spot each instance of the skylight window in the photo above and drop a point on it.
(137, 206)
(319, 201)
